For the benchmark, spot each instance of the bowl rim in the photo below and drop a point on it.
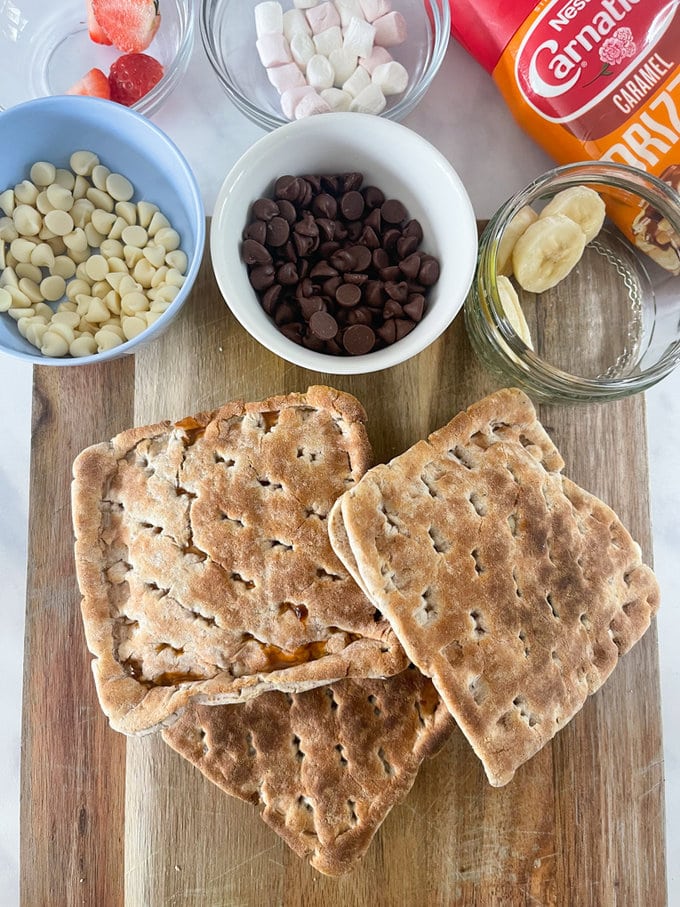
(439, 12)
(252, 317)
(197, 213)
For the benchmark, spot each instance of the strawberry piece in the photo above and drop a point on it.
(96, 32)
(129, 24)
(94, 83)
(131, 76)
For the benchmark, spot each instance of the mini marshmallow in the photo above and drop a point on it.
(305, 4)
(373, 9)
(294, 23)
(390, 29)
(320, 72)
(329, 40)
(359, 37)
(378, 56)
(273, 50)
(310, 105)
(323, 16)
(268, 18)
(370, 100)
(292, 97)
(349, 9)
(391, 78)
(336, 98)
(302, 48)
(285, 77)
(356, 83)
(344, 64)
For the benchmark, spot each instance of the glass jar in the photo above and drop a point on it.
(611, 327)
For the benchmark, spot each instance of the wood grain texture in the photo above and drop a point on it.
(581, 824)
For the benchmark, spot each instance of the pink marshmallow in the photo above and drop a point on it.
(390, 29)
(323, 16)
(310, 105)
(292, 97)
(285, 77)
(273, 50)
(373, 9)
(378, 56)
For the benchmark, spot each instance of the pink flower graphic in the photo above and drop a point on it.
(618, 47)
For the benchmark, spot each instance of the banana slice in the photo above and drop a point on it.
(523, 219)
(513, 310)
(547, 251)
(583, 205)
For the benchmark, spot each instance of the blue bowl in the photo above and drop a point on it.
(51, 129)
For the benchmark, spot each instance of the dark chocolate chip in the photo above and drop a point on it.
(352, 181)
(262, 277)
(358, 339)
(392, 273)
(270, 297)
(406, 245)
(352, 205)
(304, 244)
(362, 257)
(413, 228)
(265, 209)
(254, 253)
(256, 230)
(429, 271)
(323, 325)
(284, 313)
(410, 265)
(404, 326)
(380, 259)
(397, 291)
(393, 211)
(312, 342)
(415, 306)
(287, 187)
(310, 305)
(342, 260)
(361, 314)
(373, 294)
(326, 228)
(287, 210)
(389, 240)
(306, 226)
(305, 287)
(333, 347)
(314, 181)
(348, 294)
(374, 220)
(287, 274)
(353, 277)
(369, 238)
(324, 205)
(373, 196)
(331, 285)
(277, 231)
(388, 331)
(326, 249)
(322, 270)
(293, 331)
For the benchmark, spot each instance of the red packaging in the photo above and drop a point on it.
(589, 79)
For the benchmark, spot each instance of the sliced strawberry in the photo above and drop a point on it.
(131, 76)
(130, 24)
(95, 30)
(93, 83)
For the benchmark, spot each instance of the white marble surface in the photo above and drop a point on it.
(464, 116)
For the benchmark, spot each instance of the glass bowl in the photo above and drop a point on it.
(611, 327)
(228, 34)
(45, 48)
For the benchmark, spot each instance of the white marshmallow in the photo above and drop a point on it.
(349, 9)
(310, 105)
(268, 18)
(285, 77)
(323, 16)
(320, 72)
(292, 97)
(390, 29)
(378, 55)
(359, 36)
(373, 9)
(336, 98)
(305, 4)
(356, 83)
(391, 78)
(344, 64)
(329, 40)
(295, 22)
(302, 48)
(273, 50)
(370, 100)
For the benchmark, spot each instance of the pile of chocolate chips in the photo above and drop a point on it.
(337, 266)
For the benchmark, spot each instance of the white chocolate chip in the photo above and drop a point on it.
(63, 267)
(59, 222)
(106, 340)
(52, 288)
(27, 220)
(97, 267)
(99, 175)
(59, 197)
(42, 256)
(158, 221)
(25, 193)
(133, 326)
(85, 345)
(53, 345)
(83, 162)
(99, 198)
(145, 211)
(5, 300)
(81, 212)
(135, 236)
(119, 187)
(75, 241)
(127, 210)
(65, 178)
(80, 187)
(7, 201)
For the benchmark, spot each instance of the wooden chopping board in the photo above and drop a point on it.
(109, 821)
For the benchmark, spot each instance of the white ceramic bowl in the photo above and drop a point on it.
(391, 157)
(51, 129)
